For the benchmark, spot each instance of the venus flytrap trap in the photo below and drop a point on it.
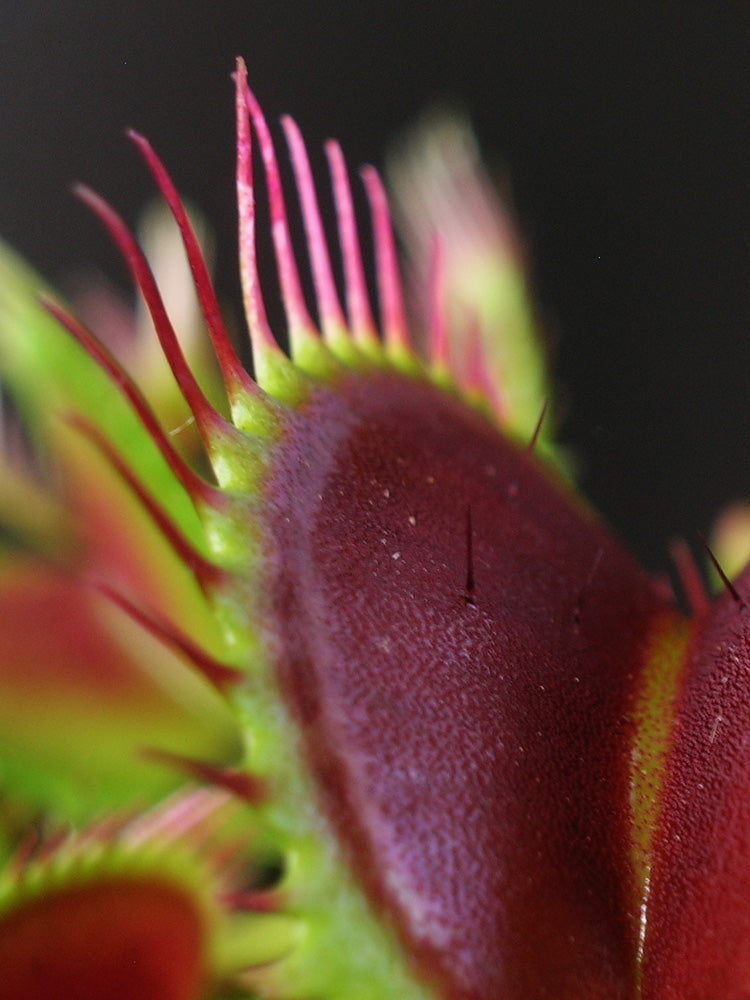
(377, 707)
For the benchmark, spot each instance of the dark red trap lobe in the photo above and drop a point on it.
(473, 755)
(697, 942)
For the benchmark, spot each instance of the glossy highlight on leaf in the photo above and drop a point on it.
(455, 743)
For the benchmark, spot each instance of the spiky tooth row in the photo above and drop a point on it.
(341, 335)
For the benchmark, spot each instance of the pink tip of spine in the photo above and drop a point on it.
(261, 338)
(439, 351)
(329, 308)
(393, 317)
(298, 318)
(233, 374)
(357, 297)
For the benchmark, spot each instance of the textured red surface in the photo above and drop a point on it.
(117, 939)
(698, 932)
(474, 757)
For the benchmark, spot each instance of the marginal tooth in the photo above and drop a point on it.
(361, 322)
(235, 377)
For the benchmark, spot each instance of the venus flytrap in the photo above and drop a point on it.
(377, 707)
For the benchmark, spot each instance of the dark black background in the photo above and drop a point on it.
(622, 128)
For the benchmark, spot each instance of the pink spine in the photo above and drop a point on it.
(357, 298)
(393, 319)
(329, 308)
(294, 303)
(232, 371)
(261, 338)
